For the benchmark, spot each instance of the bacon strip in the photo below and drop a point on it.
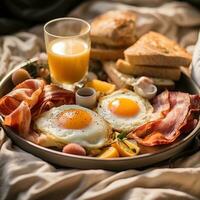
(161, 105)
(29, 91)
(7, 105)
(195, 105)
(20, 119)
(166, 129)
(52, 96)
(16, 105)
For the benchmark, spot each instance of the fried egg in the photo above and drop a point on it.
(74, 124)
(124, 110)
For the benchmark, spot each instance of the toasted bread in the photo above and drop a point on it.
(114, 28)
(119, 79)
(106, 54)
(151, 71)
(122, 80)
(154, 49)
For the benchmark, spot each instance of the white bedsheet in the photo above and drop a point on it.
(25, 177)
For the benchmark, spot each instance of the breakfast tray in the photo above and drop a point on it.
(25, 176)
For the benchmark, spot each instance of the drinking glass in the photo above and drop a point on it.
(68, 44)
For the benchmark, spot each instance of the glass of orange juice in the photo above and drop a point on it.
(68, 47)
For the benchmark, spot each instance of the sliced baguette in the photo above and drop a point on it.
(151, 71)
(154, 49)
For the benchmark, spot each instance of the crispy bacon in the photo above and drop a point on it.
(195, 105)
(16, 105)
(28, 91)
(161, 105)
(166, 129)
(20, 119)
(8, 105)
(52, 96)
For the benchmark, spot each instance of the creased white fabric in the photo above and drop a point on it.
(16, 49)
(26, 177)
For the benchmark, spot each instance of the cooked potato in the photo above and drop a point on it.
(109, 152)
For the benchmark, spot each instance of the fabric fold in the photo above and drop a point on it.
(26, 177)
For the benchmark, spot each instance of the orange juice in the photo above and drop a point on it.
(68, 60)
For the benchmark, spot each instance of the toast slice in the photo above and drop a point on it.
(122, 80)
(106, 54)
(119, 79)
(154, 49)
(150, 71)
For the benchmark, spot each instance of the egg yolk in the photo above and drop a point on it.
(74, 119)
(124, 107)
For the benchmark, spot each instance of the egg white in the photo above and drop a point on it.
(95, 135)
(121, 123)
